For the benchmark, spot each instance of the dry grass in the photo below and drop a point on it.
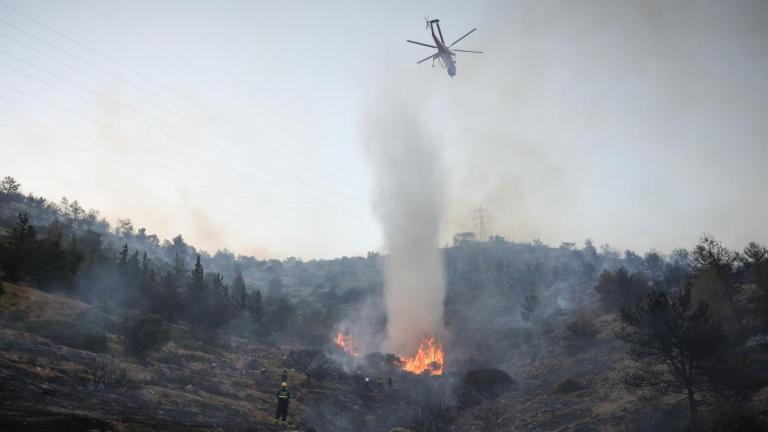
(32, 304)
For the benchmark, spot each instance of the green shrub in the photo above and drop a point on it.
(620, 288)
(483, 384)
(144, 333)
(189, 342)
(70, 334)
(581, 327)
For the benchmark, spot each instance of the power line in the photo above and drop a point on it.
(205, 164)
(197, 141)
(224, 185)
(153, 145)
(63, 133)
(290, 160)
(145, 77)
(164, 173)
(166, 124)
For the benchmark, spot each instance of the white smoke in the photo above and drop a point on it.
(409, 203)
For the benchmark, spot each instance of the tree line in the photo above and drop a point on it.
(696, 327)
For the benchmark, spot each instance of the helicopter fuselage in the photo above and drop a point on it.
(445, 55)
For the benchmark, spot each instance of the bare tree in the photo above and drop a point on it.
(431, 416)
(106, 376)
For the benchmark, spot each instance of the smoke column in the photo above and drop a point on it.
(409, 204)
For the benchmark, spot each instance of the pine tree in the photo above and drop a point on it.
(20, 249)
(197, 306)
(64, 206)
(50, 261)
(76, 210)
(134, 268)
(179, 271)
(197, 280)
(123, 260)
(239, 291)
(218, 302)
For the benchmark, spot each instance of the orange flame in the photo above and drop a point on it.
(346, 343)
(429, 359)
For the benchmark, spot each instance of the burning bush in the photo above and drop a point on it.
(429, 359)
(346, 342)
(482, 384)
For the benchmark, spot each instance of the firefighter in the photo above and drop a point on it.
(283, 398)
(308, 374)
(284, 376)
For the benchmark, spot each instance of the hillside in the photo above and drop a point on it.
(199, 386)
(197, 382)
(211, 382)
(112, 329)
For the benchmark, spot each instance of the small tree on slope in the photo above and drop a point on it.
(673, 341)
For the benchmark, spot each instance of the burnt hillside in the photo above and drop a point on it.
(110, 328)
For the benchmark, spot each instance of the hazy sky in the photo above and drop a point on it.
(238, 124)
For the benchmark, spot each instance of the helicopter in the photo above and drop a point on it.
(444, 53)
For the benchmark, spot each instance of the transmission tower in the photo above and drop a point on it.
(482, 222)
